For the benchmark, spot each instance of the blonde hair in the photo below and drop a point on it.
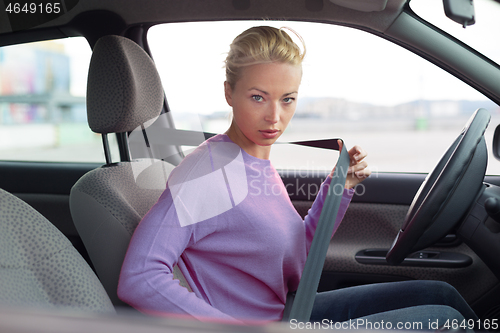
(259, 45)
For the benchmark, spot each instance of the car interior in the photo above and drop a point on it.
(66, 224)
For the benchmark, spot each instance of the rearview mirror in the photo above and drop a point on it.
(460, 11)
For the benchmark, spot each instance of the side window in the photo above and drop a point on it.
(42, 103)
(402, 109)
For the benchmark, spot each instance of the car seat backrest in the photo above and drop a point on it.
(124, 93)
(39, 267)
(107, 204)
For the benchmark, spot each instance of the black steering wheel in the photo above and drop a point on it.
(447, 192)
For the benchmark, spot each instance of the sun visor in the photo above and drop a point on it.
(362, 5)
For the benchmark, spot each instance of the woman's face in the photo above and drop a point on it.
(263, 101)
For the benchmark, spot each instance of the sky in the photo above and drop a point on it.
(347, 63)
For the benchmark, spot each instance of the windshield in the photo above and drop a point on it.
(482, 36)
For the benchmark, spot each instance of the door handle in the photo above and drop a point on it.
(423, 258)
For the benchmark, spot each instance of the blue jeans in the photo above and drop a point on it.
(428, 302)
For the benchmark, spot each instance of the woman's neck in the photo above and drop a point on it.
(250, 147)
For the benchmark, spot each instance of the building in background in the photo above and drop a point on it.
(35, 97)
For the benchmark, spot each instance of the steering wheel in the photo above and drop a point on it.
(447, 192)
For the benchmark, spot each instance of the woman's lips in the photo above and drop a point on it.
(269, 134)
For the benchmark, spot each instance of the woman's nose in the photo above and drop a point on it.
(273, 114)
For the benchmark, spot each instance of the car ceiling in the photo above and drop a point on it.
(134, 12)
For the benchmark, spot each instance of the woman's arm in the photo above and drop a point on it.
(146, 279)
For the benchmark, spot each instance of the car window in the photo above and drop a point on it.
(403, 110)
(42, 103)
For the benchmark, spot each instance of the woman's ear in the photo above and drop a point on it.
(228, 92)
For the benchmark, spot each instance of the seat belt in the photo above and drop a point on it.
(298, 305)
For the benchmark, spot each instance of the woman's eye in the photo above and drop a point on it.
(288, 99)
(258, 98)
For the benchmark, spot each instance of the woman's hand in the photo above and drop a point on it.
(358, 167)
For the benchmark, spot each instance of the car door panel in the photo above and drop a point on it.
(375, 226)
(372, 222)
(41, 177)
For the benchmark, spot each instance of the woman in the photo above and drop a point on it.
(226, 218)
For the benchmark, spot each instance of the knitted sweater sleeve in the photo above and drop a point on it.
(312, 217)
(146, 280)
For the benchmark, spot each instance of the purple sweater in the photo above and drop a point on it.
(227, 220)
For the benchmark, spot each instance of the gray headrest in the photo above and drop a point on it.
(124, 89)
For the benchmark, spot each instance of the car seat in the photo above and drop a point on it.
(124, 93)
(39, 267)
